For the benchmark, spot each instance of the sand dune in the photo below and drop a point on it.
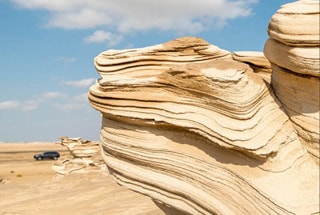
(28, 186)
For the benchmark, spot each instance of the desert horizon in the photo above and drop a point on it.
(28, 186)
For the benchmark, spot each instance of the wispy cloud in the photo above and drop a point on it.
(103, 36)
(51, 95)
(70, 106)
(76, 102)
(66, 59)
(30, 104)
(57, 100)
(5, 105)
(186, 16)
(84, 83)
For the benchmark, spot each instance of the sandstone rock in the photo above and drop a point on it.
(200, 133)
(86, 157)
(116, 67)
(300, 98)
(296, 24)
(80, 148)
(293, 50)
(300, 60)
(77, 165)
(257, 61)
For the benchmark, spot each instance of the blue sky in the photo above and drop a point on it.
(47, 51)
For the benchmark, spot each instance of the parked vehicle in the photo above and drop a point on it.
(47, 155)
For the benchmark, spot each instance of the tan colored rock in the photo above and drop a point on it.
(257, 61)
(300, 98)
(200, 133)
(300, 60)
(121, 66)
(80, 148)
(296, 24)
(86, 157)
(293, 50)
(77, 165)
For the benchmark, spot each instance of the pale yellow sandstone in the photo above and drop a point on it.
(296, 23)
(294, 52)
(200, 132)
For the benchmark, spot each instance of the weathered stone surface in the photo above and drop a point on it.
(296, 24)
(300, 60)
(300, 98)
(85, 157)
(80, 148)
(78, 165)
(200, 133)
(293, 50)
(116, 67)
(257, 61)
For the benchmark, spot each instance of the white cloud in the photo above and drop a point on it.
(28, 105)
(6, 105)
(51, 95)
(80, 83)
(184, 16)
(71, 106)
(103, 36)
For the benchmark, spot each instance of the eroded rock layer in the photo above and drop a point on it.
(296, 24)
(79, 147)
(293, 50)
(257, 61)
(200, 132)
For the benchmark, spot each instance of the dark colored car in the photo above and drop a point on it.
(47, 155)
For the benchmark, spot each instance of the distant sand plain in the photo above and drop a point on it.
(28, 186)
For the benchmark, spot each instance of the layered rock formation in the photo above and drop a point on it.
(78, 165)
(200, 132)
(204, 131)
(85, 157)
(257, 61)
(293, 50)
(79, 147)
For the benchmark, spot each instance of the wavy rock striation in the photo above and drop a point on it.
(200, 133)
(80, 148)
(293, 50)
(257, 61)
(85, 157)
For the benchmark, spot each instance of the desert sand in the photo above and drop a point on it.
(28, 186)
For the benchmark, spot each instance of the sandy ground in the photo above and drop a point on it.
(28, 186)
